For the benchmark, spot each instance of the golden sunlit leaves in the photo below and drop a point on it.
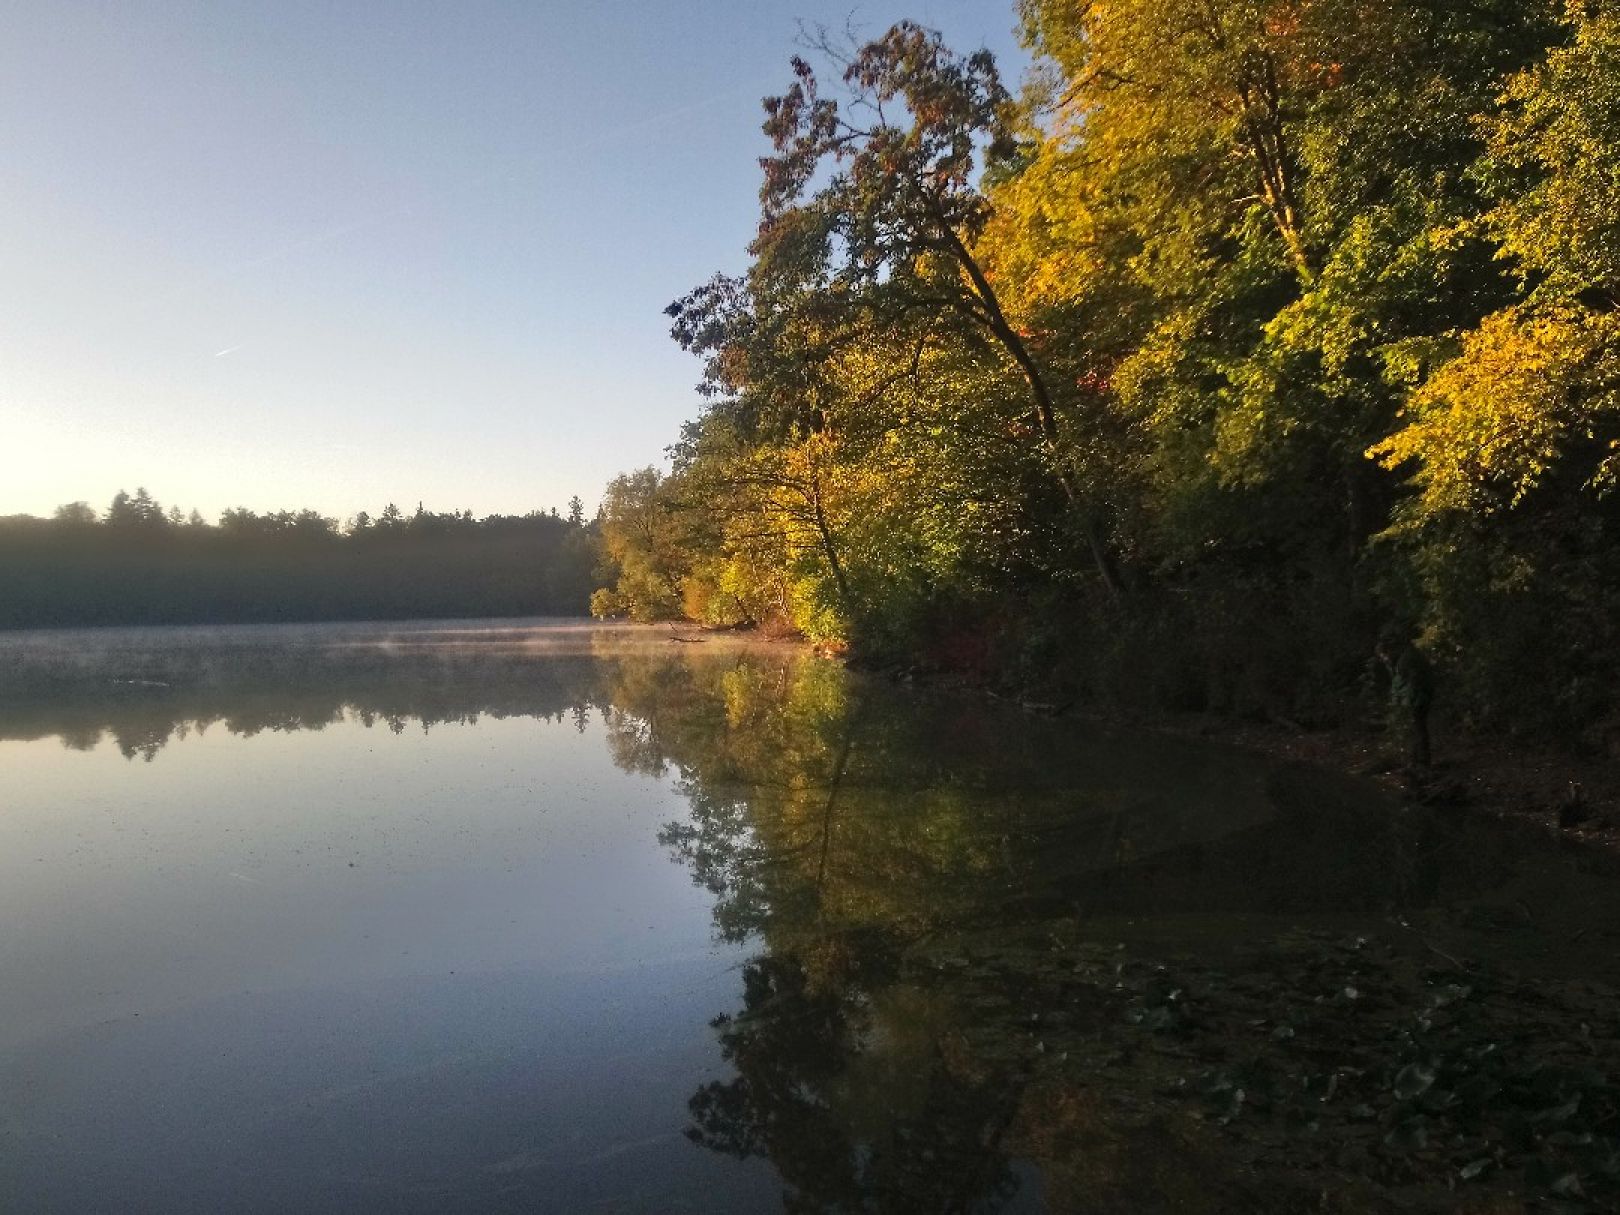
(1491, 424)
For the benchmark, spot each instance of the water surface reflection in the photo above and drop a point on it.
(386, 921)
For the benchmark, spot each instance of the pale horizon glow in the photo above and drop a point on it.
(291, 255)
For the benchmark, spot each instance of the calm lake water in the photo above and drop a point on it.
(562, 917)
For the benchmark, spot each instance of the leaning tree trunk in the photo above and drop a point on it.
(1046, 414)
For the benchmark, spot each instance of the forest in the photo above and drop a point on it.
(1236, 336)
(136, 563)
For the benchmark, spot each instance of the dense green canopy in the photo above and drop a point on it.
(1248, 329)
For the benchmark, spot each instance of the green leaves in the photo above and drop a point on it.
(1243, 303)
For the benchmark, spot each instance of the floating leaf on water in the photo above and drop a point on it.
(1559, 1113)
(1159, 1019)
(1322, 1087)
(1451, 993)
(1234, 1108)
(1554, 1176)
(1410, 1136)
(1437, 1100)
(1567, 1185)
(1413, 1080)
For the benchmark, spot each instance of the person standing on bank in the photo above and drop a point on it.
(1411, 689)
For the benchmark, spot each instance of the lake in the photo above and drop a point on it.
(558, 916)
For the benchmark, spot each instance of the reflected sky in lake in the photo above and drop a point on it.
(373, 918)
(353, 967)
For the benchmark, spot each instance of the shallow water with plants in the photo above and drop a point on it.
(493, 916)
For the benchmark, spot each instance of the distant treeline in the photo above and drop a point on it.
(139, 564)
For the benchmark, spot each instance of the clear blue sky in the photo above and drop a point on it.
(286, 254)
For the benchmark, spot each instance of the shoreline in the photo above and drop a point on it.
(1573, 798)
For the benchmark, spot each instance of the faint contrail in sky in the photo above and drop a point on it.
(219, 354)
(691, 107)
(278, 253)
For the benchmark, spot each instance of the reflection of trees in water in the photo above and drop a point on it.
(787, 767)
(942, 899)
(815, 1093)
(147, 695)
(143, 732)
(983, 938)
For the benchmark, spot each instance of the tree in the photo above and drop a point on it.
(284, 565)
(1533, 393)
(140, 511)
(241, 521)
(1275, 194)
(641, 536)
(1301, 312)
(870, 213)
